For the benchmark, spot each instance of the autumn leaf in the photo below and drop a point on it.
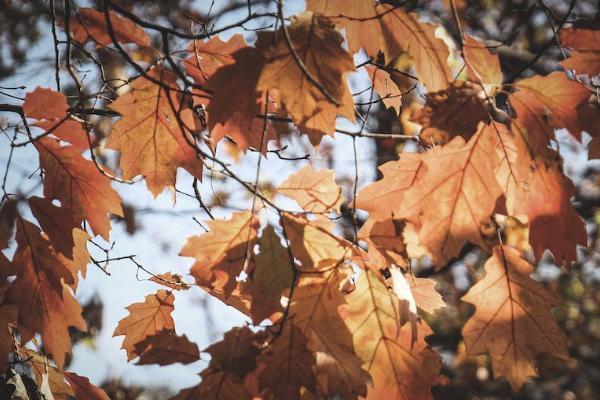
(313, 243)
(546, 201)
(287, 365)
(454, 200)
(426, 297)
(170, 280)
(45, 304)
(43, 372)
(83, 389)
(209, 56)
(79, 260)
(90, 24)
(57, 222)
(221, 253)
(145, 319)
(512, 320)
(318, 54)
(313, 309)
(383, 198)
(399, 369)
(314, 191)
(165, 348)
(585, 58)
(543, 103)
(149, 135)
(385, 86)
(455, 111)
(8, 317)
(215, 385)
(272, 273)
(384, 239)
(45, 104)
(482, 66)
(67, 130)
(89, 192)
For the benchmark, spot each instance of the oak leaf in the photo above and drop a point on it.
(90, 24)
(384, 239)
(222, 252)
(512, 320)
(313, 309)
(271, 274)
(170, 280)
(287, 365)
(454, 200)
(68, 131)
(45, 104)
(314, 191)
(149, 135)
(585, 58)
(165, 348)
(45, 304)
(146, 318)
(482, 66)
(399, 368)
(216, 384)
(386, 87)
(46, 374)
(83, 389)
(208, 56)
(424, 293)
(78, 185)
(317, 52)
(454, 111)
(8, 317)
(313, 243)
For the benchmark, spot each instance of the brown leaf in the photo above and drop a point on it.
(67, 131)
(385, 86)
(45, 303)
(512, 320)
(45, 104)
(8, 317)
(426, 297)
(318, 47)
(78, 185)
(455, 111)
(482, 66)
(170, 280)
(215, 384)
(56, 222)
(208, 56)
(287, 365)
(314, 191)
(236, 353)
(221, 253)
(384, 239)
(399, 368)
(165, 348)
(585, 59)
(145, 319)
(272, 274)
(149, 136)
(90, 24)
(454, 200)
(83, 389)
(43, 371)
(313, 243)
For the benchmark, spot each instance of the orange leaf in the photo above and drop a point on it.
(318, 47)
(236, 84)
(313, 243)
(482, 66)
(145, 319)
(57, 222)
(454, 200)
(314, 191)
(83, 389)
(383, 198)
(287, 365)
(45, 104)
(165, 348)
(90, 24)
(389, 92)
(272, 273)
(78, 185)
(384, 239)
(68, 131)
(426, 297)
(208, 56)
(553, 222)
(221, 253)
(585, 59)
(8, 317)
(45, 303)
(313, 309)
(170, 280)
(399, 368)
(45, 374)
(215, 385)
(455, 111)
(149, 137)
(512, 320)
